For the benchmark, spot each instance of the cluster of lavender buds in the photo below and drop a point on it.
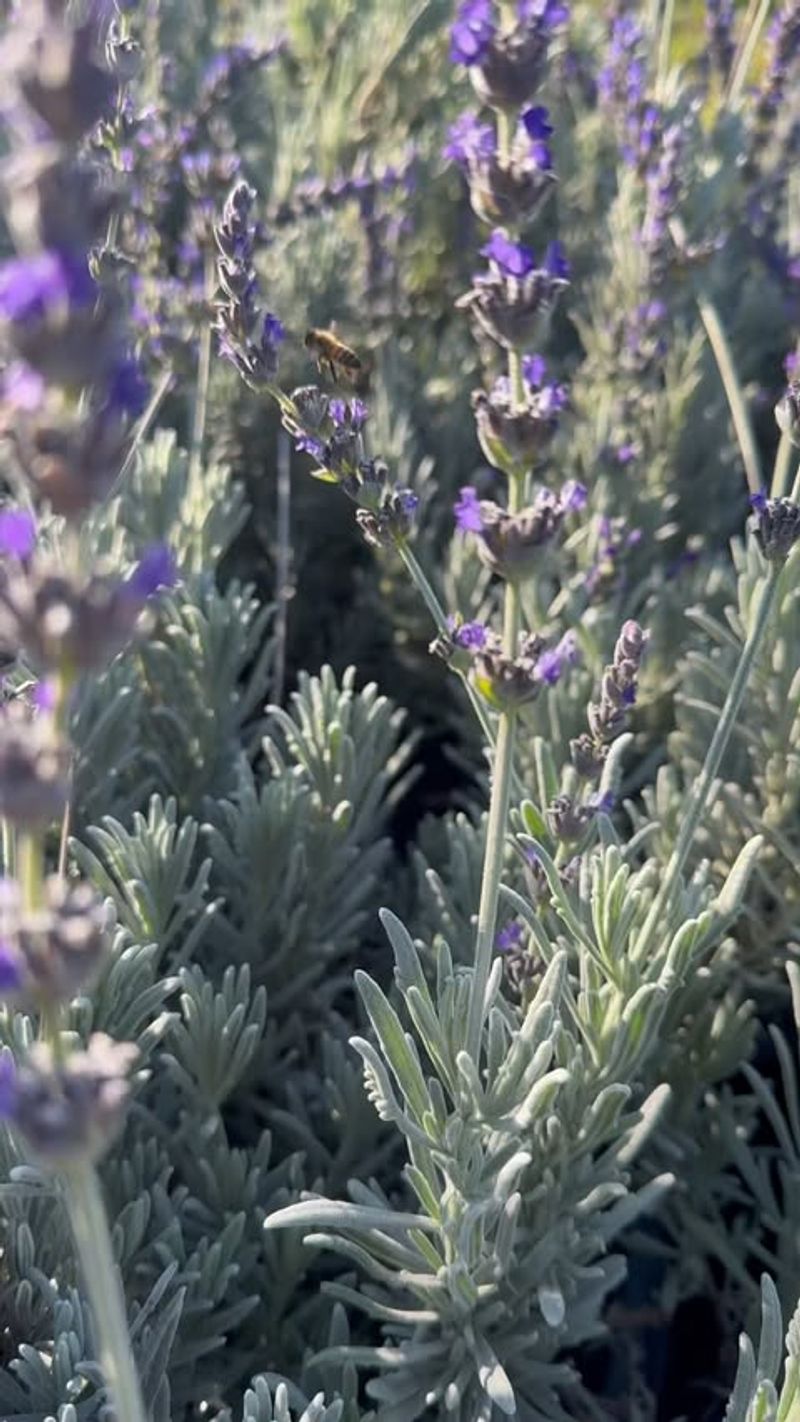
(514, 433)
(69, 384)
(328, 428)
(720, 41)
(331, 430)
(68, 391)
(512, 299)
(506, 681)
(622, 90)
(314, 197)
(249, 337)
(506, 57)
(783, 41)
(776, 526)
(608, 716)
(510, 544)
(503, 192)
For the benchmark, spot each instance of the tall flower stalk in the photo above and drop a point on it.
(69, 390)
(509, 169)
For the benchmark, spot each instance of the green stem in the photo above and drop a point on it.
(30, 860)
(661, 906)
(101, 1279)
(200, 413)
(736, 400)
(421, 583)
(500, 800)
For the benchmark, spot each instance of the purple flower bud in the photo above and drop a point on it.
(32, 287)
(17, 533)
(409, 501)
(510, 936)
(156, 569)
(472, 31)
(469, 635)
(513, 258)
(128, 391)
(468, 510)
(43, 696)
(8, 1085)
(12, 969)
(555, 262)
(574, 496)
(533, 370)
(536, 122)
(469, 140)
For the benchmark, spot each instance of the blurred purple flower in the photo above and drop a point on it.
(32, 287)
(156, 569)
(469, 140)
(17, 533)
(468, 510)
(513, 258)
(472, 31)
(23, 387)
(509, 936)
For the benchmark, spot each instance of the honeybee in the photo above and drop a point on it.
(334, 357)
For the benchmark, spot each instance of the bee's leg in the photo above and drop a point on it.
(331, 371)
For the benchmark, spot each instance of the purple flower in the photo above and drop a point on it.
(359, 414)
(11, 969)
(30, 287)
(624, 453)
(513, 258)
(128, 390)
(574, 496)
(468, 510)
(551, 663)
(273, 333)
(309, 444)
(470, 635)
(156, 569)
(337, 409)
(43, 696)
(555, 262)
(472, 31)
(509, 936)
(547, 14)
(469, 140)
(533, 370)
(409, 501)
(758, 501)
(8, 1085)
(536, 122)
(17, 533)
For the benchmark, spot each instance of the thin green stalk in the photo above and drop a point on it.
(664, 47)
(500, 800)
(421, 583)
(742, 64)
(736, 400)
(780, 472)
(142, 429)
(200, 413)
(662, 904)
(30, 861)
(283, 563)
(101, 1279)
